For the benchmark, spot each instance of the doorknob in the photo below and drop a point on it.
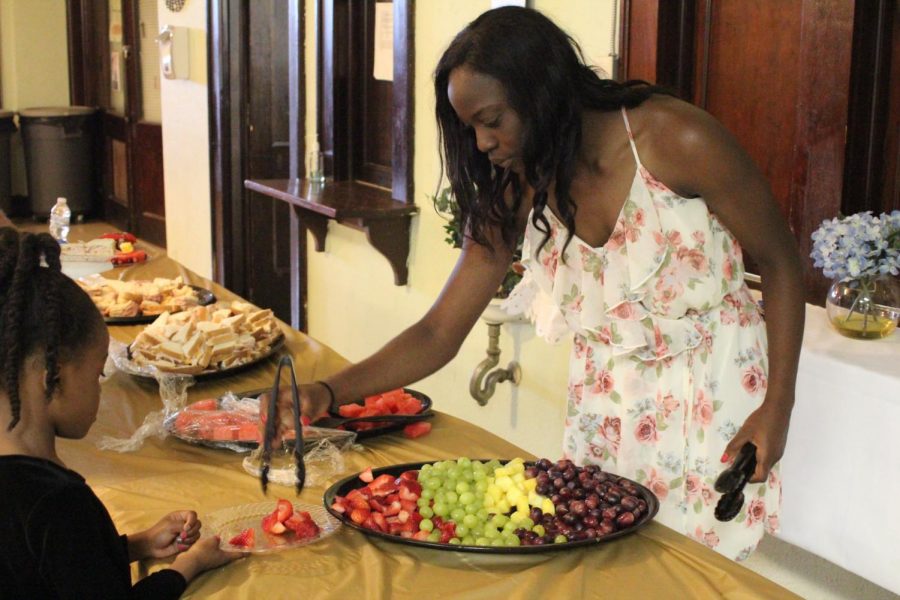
(126, 51)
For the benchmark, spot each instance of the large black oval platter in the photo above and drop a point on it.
(342, 487)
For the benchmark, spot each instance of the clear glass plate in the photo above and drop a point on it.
(228, 522)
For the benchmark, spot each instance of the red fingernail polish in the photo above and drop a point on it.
(725, 457)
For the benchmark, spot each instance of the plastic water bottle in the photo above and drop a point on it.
(60, 217)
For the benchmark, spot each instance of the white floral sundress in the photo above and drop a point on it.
(669, 355)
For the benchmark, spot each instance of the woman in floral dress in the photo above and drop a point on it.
(632, 205)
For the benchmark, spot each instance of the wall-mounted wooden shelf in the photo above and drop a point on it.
(385, 221)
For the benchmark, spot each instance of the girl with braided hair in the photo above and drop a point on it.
(58, 539)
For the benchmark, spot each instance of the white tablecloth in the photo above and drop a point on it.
(841, 467)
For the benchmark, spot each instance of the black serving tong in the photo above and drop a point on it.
(731, 482)
(272, 428)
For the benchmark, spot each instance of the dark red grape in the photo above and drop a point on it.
(592, 500)
(559, 483)
(607, 526)
(629, 502)
(591, 533)
(626, 519)
(591, 521)
(578, 508)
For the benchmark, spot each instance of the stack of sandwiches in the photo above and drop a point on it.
(117, 299)
(206, 338)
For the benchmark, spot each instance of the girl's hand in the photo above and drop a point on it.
(202, 556)
(176, 532)
(767, 428)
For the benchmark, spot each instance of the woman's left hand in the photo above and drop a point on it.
(176, 532)
(767, 428)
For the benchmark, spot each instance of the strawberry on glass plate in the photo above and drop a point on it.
(270, 526)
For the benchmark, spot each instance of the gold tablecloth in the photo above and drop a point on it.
(140, 487)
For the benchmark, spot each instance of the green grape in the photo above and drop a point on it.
(450, 483)
(451, 498)
(457, 514)
(499, 521)
(462, 530)
(526, 523)
(464, 461)
(498, 541)
(479, 475)
(470, 521)
(454, 472)
(483, 514)
(481, 486)
(454, 541)
(491, 533)
(433, 483)
(427, 493)
(483, 541)
(539, 529)
(560, 539)
(434, 536)
(423, 502)
(512, 540)
(466, 498)
(426, 525)
(426, 512)
(473, 508)
(468, 540)
(510, 527)
(440, 509)
(468, 475)
(462, 487)
(440, 496)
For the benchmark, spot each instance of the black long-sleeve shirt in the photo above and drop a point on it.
(57, 539)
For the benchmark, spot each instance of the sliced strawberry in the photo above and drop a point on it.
(359, 516)
(403, 516)
(406, 534)
(337, 506)
(392, 509)
(380, 521)
(408, 506)
(422, 536)
(367, 475)
(302, 525)
(448, 531)
(245, 539)
(284, 509)
(269, 522)
(383, 485)
(391, 498)
(377, 505)
(410, 490)
(410, 476)
(414, 430)
(395, 528)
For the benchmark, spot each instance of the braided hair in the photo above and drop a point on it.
(547, 82)
(41, 310)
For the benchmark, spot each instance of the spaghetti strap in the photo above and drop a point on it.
(631, 137)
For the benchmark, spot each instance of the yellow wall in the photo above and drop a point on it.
(185, 137)
(354, 306)
(34, 64)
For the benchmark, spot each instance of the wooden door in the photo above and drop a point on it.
(267, 231)
(805, 85)
(251, 67)
(113, 65)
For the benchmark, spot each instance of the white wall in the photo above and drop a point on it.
(185, 139)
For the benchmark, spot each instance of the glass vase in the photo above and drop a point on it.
(865, 308)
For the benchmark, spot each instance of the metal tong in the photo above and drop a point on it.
(731, 482)
(272, 428)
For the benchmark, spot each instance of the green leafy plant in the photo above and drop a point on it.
(445, 204)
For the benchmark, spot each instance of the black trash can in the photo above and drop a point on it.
(7, 128)
(59, 144)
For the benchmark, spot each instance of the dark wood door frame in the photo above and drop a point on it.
(227, 26)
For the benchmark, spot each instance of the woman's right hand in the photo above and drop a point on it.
(314, 403)
(204, 555)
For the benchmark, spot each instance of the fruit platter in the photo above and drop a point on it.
(270, 526)
(232, 421)
(489, 506)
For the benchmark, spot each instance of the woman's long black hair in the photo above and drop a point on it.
(547, 83)
(41, 310)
